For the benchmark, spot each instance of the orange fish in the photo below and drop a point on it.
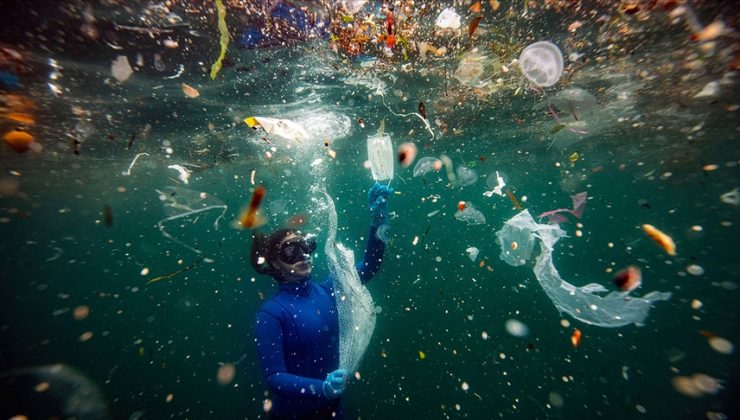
(250, 218)
(575, 339)
(665, 241)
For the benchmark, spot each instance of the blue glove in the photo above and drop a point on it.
(377, 200)
(335, 384)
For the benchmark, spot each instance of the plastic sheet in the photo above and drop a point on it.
(517, 239)
(427, 164)
(354, 302)
(470, 215)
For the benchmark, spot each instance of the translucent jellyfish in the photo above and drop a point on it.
(476, 70)
(574, 101)
(470, 215)
(466, 176)
(615, 309)
(472, 253)
(427, 164)
(542, 63)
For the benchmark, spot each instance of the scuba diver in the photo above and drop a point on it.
(297, 330)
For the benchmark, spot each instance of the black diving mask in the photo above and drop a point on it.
(297, 249)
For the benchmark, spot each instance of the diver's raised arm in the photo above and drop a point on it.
(378, 204)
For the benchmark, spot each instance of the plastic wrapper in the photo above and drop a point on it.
(517, 241)
(380, 153)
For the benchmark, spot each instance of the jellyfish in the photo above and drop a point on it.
(427, 164)
(466, 176)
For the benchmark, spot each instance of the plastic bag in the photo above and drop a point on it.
(517, 239)
(380, 153)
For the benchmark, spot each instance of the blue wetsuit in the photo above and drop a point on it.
(297, 335)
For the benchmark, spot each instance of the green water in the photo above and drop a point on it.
(440, 348)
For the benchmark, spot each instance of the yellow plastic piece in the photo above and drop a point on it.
(216, 66)
(251, 122)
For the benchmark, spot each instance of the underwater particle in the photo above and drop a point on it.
(121, 69)
(189, 91)
(18, 140)
(640, 409)
(81, 312)
(484, 335)
(87, 335)
(514, 245)
(438, 259)
(564, 323)
(107, 215)
(465, 386)
(721, 345)
(41, 387)
(695, 269)
(556, 400)
(696, 304)
(710, 167)
(575, 338)
(573, 158)
(628, 279)
(267, 405)
(697, 228)
(706, 383)
(144, 271)
(184, 173)
(226, 373)
(684, 385)
(169, 397)
(731, 197)
(357, 375)
(422, 355)
(472, 253)
(716, 415)
(663, 240)
(516, 328)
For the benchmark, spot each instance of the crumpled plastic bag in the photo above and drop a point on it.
(286, 129)
(517, 239)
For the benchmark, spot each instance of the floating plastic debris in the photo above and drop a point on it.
(380, 155)
(628, 279)
(223, 38)
(189, 91)
(427, 164)
(615, 309)
(121, 69)
(286, 129)
(470, 215)
(498, 188)
(579, 204)
(574, 101)
(184, 172)
(407, 154)
(542, 63)
(448, 19)
(731, 197)
(472, 253)
(465, 176)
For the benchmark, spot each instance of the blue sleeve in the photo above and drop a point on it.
(269, 337)
(374, 251)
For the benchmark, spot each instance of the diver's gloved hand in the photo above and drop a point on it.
(335, 384)
(377, 200)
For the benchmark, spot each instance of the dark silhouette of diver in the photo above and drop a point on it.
(297, 330)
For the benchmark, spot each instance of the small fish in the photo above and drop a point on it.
(250, 218)
(422, 110)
